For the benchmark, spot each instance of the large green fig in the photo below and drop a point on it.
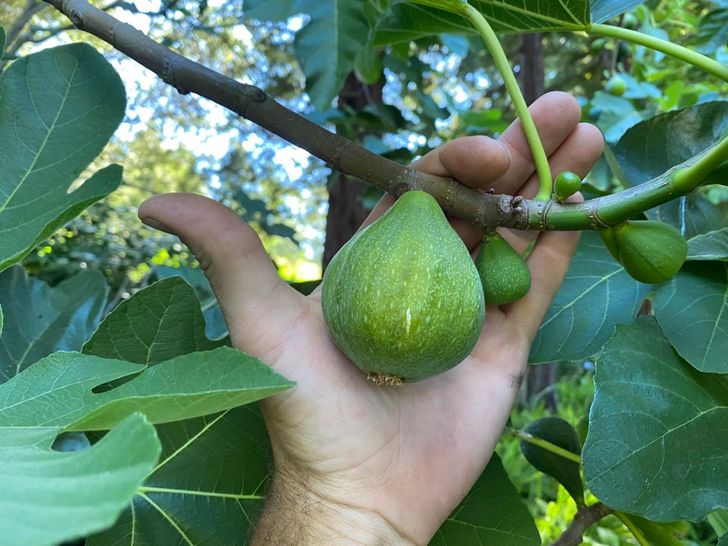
(650, 251)
(402, 298)
(503, 272)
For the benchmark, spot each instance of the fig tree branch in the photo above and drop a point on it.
(479, 207)
(585, 517)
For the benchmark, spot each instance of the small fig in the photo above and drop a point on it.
(651, 252)
(616, 86)
(402, 299)
(503, 272)
(566, 184)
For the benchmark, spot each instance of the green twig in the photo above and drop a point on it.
(668, 48)
(519, 103)
(690, 177)
(632, 527)
(548, 446)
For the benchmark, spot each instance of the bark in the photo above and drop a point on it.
(585, 518)
(346, 208)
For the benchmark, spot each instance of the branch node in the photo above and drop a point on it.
(248, 95)
(76, 18)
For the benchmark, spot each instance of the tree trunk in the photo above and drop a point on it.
(531, 78)
(346, 208)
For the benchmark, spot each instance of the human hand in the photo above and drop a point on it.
(356, 463)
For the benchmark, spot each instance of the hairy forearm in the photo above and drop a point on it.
(294, 515)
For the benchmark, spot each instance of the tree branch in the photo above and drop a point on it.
(585, 517)
(479, 207)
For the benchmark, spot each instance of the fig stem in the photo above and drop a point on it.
(690, 177)
(668, 48)
(519, 103)
(632, 528)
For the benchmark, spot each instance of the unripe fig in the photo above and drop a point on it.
(402, 299)
(503, 272)
(650, 251)
(616, 86)
(566, 184)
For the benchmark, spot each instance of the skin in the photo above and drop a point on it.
(361, 464)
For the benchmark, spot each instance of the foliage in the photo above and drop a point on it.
(142, 370)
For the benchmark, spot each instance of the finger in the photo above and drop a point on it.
(548, 264)
(556, 115)
(579, 152)
(242, 275)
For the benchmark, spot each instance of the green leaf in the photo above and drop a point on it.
(2, 42)
(48, 497)
(709, 246)
(328, 45)
(656, 443)
(407, 21)
(602, 10)
(596, 295)
(42, 320)
(158, 323)
(712, 31)
(692, 310)
(650, 148)
(183, 387)
(265, 10)
(723, 541)
(230, 453)
(58, 109)
(491, 513)
(208, 486)
(718, 520)
(662, 534)
(562, 434)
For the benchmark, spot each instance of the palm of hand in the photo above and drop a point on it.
(388, 450)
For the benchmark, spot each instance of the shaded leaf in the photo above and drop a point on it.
(183, 387)
(712, 31)
(408, 21)
(723, 541)
(60, 99)
(602, 10)
(48, 497)
(596, 295)
(656, 443)
(653, 146)
(157, 323)
(491, 513)
(42, 320)
(692, 310)
(562, 434)
(209, 482)
(709, 246)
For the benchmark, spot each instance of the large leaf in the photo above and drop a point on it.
(58, 109)
(692, 310)
(183, 387)
(409, 21)
(601, 10)
(709, 246)
(596, 295)
(491, 513)
(653, 146)
(207, 489)
(48, 497)
(229, 452)
(159, 322)
(656, 443)
(327, 47)
(42, 320)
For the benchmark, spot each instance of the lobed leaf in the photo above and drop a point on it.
(58, 109)
(656, 442)
(43, 319)
(48, 497)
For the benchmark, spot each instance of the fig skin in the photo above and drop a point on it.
(503, 272)
(566, 184)
(651, 252)
(402, 299)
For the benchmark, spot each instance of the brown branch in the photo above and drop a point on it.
(482, 209)
(586, 516)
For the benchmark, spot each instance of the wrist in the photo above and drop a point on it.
(299, 514)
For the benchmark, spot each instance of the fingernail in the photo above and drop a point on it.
(156, 224)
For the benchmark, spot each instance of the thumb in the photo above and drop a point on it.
(258, 306)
